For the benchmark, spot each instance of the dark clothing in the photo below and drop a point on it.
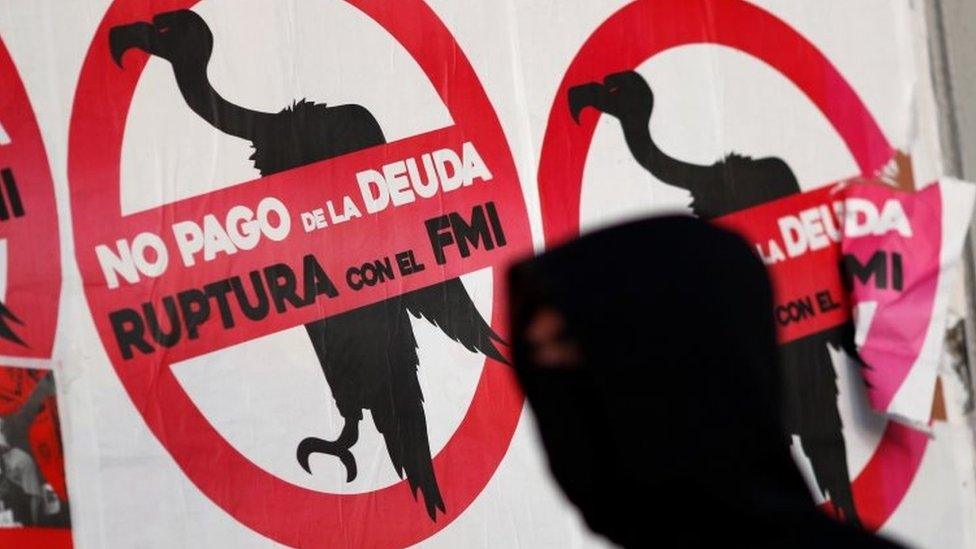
(660, 411)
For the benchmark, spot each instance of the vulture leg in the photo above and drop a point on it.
(339, 448)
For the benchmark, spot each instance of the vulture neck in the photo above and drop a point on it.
(194, 84)
(668, 170)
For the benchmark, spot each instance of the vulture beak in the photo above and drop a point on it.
(586, 95)
(125, 37)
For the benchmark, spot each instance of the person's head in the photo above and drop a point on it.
(647, 354)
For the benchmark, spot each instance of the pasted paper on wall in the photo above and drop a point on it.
(281, 230)
(901, 264)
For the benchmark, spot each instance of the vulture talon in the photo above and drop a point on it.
(312, 445)
(339, 448)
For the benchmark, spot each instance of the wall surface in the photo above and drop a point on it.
(194, 444)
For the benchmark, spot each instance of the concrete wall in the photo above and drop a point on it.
(952, 25)
(952, 37)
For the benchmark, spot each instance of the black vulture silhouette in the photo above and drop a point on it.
(368, 355)
(735, 183)
(6, 331)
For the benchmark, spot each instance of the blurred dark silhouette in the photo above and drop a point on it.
(647, 353)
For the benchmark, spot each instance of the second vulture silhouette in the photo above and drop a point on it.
(735, 183)
(368, 355)
(6, 331)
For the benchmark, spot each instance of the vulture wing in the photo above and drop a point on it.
(810, 395)
(449, 307)
(6, 332)
(399, 416)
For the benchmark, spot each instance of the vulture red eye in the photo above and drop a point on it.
(164, 30)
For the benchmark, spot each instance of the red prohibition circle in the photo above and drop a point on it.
(660, 25)
(28, 223)
(289, 514)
